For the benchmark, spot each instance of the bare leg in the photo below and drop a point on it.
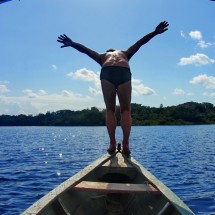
(126, 127)
(109, 93)
(124, 94)
(111, 127)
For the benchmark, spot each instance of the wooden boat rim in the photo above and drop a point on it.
(64, 186)
(74, 180)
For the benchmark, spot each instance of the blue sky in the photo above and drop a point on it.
(37, 76)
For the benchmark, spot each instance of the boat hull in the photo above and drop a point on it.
(114, 184)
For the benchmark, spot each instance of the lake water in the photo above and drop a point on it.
(33, 160)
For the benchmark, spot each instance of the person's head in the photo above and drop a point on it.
(111, 50)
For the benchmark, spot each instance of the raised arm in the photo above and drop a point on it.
(81, 48)
(161, 28)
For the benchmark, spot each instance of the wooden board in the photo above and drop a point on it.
(114, 187)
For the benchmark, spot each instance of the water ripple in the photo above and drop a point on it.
(34, 160)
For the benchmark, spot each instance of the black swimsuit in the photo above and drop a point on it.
(116, 75)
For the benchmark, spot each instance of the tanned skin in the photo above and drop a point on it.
(117, 58)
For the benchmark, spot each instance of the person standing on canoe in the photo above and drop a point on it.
(115, 79)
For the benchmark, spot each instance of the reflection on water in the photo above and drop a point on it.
(34, 160)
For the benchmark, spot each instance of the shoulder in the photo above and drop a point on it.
(125, 54)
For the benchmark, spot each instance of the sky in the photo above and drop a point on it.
(37, 76)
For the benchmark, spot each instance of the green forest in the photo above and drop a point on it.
(190, 113)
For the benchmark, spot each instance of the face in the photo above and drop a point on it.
(111, 50)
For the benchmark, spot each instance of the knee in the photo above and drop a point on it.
(111, 109)
(126, 116)
(125, 110)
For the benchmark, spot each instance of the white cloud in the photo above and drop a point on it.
(182, 34)
(41, 102)
(3, 88)
(178, 91)
(86, 75)
(203, 44)
(30, 93)
(198, 60)
(209, 94)
(95, 91)
(54, 67)
(139, 89)
(8, 105)
(4, 82)
(70, 94)
(89, 76)
(136, 81)
(66, 93)
(206, 81)
(196, 35)
(42, 92)
(190, 94)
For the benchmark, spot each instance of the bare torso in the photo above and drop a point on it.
(115, 58)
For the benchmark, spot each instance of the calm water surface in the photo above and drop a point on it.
(33, 160)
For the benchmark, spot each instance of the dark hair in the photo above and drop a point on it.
(111, 50)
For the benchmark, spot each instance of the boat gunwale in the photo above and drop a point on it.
(51, 196)
(167, 192)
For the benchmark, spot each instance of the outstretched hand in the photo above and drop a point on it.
(162, 27)
(65, 40)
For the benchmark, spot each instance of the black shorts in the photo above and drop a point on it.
(116, 75)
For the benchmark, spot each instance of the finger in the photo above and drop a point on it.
(166, 23)
(61, 37)
(65, 36)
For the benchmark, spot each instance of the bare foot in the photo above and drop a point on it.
(111, 149)
(126, 149)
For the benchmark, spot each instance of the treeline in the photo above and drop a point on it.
(190, 113)
(184, 114)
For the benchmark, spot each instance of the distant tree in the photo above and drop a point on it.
(183, 114)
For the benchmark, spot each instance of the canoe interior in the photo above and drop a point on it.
(86, 200)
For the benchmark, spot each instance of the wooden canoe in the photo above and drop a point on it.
(112, 185)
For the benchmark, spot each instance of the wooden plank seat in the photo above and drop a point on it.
(114, 187)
